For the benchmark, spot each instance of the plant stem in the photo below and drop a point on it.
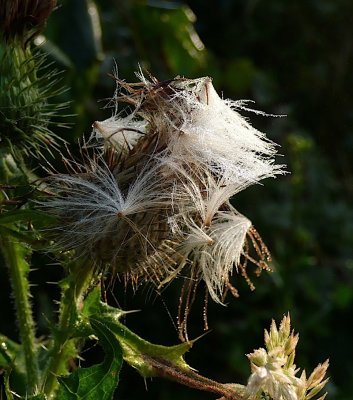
(190, 378)
(14, 256)
(78, 281)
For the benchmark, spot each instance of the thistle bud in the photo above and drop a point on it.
(27, 108)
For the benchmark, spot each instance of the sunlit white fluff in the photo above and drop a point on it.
(196, 189)
(216, 249)
(163, 205)
(228, 231)
(216, 134)
(196, 124)
(123, 133)
(93, 207)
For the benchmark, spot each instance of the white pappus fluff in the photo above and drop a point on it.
(160, 203)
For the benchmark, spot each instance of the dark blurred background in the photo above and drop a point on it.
(291, 57)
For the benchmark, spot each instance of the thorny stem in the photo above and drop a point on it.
(18, 271)
(79, 281)
(192, 379)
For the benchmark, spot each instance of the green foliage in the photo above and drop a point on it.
(8, 351)
(136, 351)
(35, 216)
(98, 381)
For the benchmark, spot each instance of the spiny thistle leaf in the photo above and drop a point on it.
(98, 381)
(146, 357)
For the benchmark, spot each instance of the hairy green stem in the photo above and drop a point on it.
(78, 282)
(18, 270)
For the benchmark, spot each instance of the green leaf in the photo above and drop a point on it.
(12, 360)
(25, 237)
(98, 381)
(8, 351)
(342, 296)
(25, 215)
(146, 357)
(15, 373)
(94, 306)
(141, 354)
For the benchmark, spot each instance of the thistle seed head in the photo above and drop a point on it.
(155, 201)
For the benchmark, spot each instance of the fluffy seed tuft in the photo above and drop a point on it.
(156, 202)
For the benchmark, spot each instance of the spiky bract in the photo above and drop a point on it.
(27, 111)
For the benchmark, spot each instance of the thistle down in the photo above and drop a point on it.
(154, 201)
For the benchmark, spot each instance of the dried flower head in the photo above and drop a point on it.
(274, 372)
(155, 203)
